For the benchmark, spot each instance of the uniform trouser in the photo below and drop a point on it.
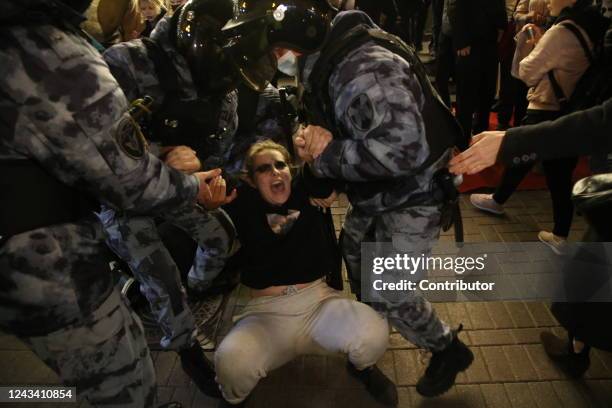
(57, 295)
(136, 240)
(414, 230)
(272, 331)
(107, 359)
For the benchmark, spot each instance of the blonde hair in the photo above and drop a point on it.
(261, 146)
(160, 4)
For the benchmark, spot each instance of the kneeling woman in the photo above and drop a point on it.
(292, 310)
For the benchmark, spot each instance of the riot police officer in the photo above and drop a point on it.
(67, 143)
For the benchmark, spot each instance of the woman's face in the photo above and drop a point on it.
(272, 177)
(556, 6)
(149, 10)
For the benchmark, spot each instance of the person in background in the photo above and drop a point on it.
(567, 68)
(152, 11)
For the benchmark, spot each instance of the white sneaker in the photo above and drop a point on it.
(554, 242)
(485, 202)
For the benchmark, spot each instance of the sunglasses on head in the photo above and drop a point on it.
(267, 167)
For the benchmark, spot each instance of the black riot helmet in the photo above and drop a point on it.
(261, 25)
(200, 40)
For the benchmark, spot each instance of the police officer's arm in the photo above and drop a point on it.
(380, 111)
(80, 132)
(122, 59)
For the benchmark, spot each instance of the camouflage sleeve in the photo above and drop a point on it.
(67, 113)
(378, 108)
(123, 60)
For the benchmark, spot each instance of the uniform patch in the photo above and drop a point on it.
(361, 112)
(129, 139)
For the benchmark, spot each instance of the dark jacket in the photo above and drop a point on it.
(580, 133)
(475, 22)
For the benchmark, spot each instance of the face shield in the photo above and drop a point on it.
(297, 25)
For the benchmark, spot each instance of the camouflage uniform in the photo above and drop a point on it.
(377, 104)
(135, 239)
(61, 109)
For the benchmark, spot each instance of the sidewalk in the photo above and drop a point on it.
(510, 368)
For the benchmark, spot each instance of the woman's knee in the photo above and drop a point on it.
(372, 339)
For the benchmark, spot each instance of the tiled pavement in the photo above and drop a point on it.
(510, 368)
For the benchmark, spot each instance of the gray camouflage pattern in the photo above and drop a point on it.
(61, 108)
(136, 239)
(377, 103)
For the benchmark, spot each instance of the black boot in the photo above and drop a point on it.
(378, 385)
(444, 366)
(562, 352)
(200, 370)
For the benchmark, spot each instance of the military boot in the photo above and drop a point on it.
(444, 366)
(200, 370)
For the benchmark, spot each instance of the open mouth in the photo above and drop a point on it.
(278, 186)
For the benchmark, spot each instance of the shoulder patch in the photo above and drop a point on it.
(361, 112)
(129, 139)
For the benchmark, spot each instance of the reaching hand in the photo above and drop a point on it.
(311, 141)
(212, 192)
(324, 202)
(182, 158)
(464, 52)
(480, 155)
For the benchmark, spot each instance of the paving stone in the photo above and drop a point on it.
(543, 365)
(479, 315)
(477, 372)
(184, 395)
(545, 395)
(519, 314)
(520, 395)
(500, 315)
(457, 314)
(605, 357)
(491, 337)
(495, 396)
(489, 233)
(597, 369)
(569, 392)
(163, 366)
(403, 395)
(201, 400)
(306, 398)
(396, 341)
(530, 335)
(164, 394)
(541, 314)
(519, 362)
(407, 366)
(387, 365)
(470, 396)
(600, 393)
(450, 399)
(497, 364)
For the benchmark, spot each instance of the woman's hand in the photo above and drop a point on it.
(213, 192)
(480, 155)
(534, 33)
(324, 202)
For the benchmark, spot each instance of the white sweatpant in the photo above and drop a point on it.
(274, 330)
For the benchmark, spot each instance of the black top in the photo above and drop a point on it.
(303, 255)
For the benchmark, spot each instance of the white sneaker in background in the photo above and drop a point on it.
(485, 202)
(556, 243)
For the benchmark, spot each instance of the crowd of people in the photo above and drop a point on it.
(121, 117)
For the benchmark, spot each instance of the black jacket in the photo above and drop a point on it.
(475, 22)
(581, 133)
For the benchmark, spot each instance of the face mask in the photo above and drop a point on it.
(287, 64)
